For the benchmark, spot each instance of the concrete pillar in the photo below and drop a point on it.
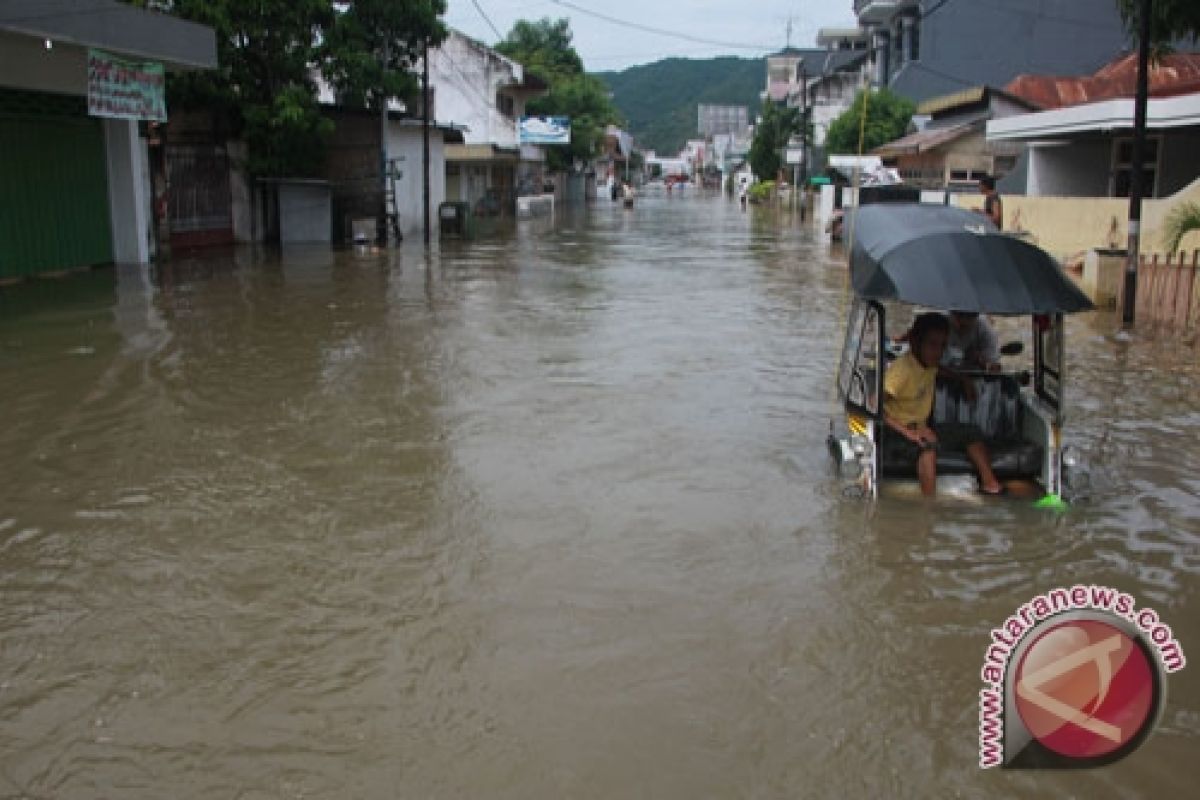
(241, 194)
(883, 57)
(128, 191)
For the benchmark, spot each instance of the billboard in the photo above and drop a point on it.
(125, 89)
(545, 130)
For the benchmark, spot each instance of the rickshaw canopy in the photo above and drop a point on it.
(950, 258)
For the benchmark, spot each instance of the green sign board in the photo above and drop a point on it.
(125, 89)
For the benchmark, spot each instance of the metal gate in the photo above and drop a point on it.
(200, 200)
(53, 185)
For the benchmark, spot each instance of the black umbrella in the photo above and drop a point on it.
(949, 258)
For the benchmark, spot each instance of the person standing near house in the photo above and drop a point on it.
(993, 208)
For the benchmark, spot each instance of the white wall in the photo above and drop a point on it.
(465, 76)
(1078, 169)
(406, 142)
(128, 200)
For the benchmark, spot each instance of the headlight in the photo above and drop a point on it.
(859, 445)
(1069, 457)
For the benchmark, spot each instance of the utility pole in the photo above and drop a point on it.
(425, 135)
(802, 184)
(1129, 301)
(382, 233)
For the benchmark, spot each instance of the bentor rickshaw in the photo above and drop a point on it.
(944, 258)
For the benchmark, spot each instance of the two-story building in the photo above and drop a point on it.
(922, 49)
(820, 81)
(77, 77)
(476, 89)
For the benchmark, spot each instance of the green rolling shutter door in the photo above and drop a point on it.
(53, 186)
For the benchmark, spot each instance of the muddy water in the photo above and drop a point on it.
(543, 516)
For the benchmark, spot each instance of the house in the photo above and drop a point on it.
(1080, 143)
(361, 189)
(820, 81)
(614, 163)
(922, 49)
(484, 94)
(841, 77)
(476, 100)
(76, 187)
(952, 149)
(1086, 150)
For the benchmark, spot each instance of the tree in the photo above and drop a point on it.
(263, 89)
(1182, 220)
(369, 51)
(1171, 20)
(771, 135)
(888, 116)
(544, 49)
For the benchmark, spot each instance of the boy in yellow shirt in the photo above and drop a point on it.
(908, 390)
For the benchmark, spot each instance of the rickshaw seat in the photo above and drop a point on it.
(997, 412)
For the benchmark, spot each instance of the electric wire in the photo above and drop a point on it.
(486, 19)
(659, 31)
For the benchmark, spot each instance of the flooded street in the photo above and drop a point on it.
(547, 515)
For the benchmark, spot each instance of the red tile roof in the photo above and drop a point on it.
(1176, 73)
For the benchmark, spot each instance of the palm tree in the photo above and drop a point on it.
(1183, 219)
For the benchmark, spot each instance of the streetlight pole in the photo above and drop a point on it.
(1129, 296)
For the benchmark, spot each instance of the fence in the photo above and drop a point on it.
(1167, 290)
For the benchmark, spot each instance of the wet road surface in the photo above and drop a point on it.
(547, 515)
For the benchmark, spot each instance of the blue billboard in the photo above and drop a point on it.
(545, 130)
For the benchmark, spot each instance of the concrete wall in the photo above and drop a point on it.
(406, 143)
(241, 194)
(1066, 226)
(1078, 169)
(352, 168)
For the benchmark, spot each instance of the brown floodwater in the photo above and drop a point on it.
(547, 515)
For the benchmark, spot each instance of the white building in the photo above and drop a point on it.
(484, 93)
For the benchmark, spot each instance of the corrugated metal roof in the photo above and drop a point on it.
(1175, 73)
(924, 141)
(975, 94)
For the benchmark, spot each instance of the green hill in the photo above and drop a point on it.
(659, 100)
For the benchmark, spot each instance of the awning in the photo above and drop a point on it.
(117, 28)
(1161, 113)
(481, 154)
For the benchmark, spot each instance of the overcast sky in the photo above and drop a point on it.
(759, 25)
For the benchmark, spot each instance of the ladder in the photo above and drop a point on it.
(391, 210)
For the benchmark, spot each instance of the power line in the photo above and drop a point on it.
(659, 31)
(930, 12)
(479, 8)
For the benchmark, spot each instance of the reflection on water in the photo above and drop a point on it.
(540, 516)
